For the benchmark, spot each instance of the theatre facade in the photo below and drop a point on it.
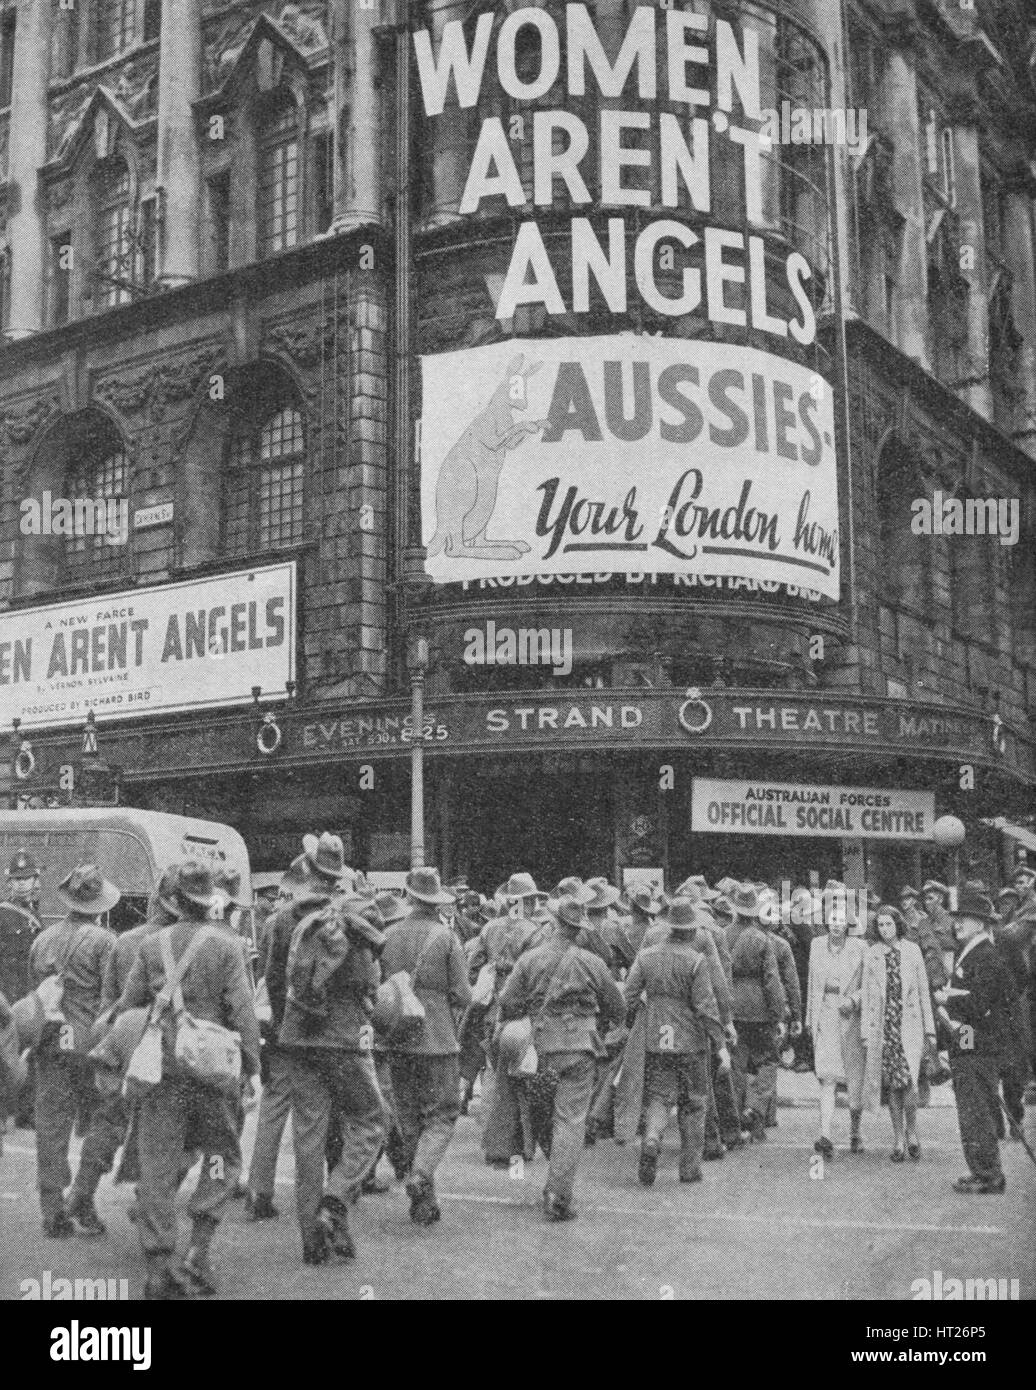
(612, 436)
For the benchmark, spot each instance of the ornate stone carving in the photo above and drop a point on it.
(59, 195)
(66, 111)
(302, 342)
(21, 425)
(305, 25)
(136, 88)
(224, 44)
(154, 389)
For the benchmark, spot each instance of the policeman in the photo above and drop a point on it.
(19, 924)
(77, 950)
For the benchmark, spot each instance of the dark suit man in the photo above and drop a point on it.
(568, 992)
(976, 1007)
(681, 1018)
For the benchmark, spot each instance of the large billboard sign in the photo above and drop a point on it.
(198, 645)
(688, 449)
(655, 455)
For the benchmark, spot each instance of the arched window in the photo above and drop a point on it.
(278, 179)
(113, 232)
(265, 486)
(97, 487)
(972, 573)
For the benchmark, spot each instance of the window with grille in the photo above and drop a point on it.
(152, 19)
(116, 23)
(101, 479)
(263, 500)
(114, 235)
(279, 182)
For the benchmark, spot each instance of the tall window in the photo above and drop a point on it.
(904, 571)
(116, 23)
(219, 220)
(279, 181)
(97, 482)
(60, 287)
(5, 290)
(114, 234)
(6, 60)
(152, 19)
(263, 502)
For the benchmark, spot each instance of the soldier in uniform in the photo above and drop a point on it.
(19, 925)
(426, 1070)
(682, 1017)
(76, 949)
(215, 987)
(567, 991)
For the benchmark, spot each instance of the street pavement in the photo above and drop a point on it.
(769, 1221)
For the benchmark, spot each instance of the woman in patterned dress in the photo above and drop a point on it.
(896, 1023)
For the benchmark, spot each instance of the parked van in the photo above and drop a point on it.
(130, 847)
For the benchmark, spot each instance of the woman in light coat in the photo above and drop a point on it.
(833, 1020)
(896, 1022)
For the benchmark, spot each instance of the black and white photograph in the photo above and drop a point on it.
(518, 664)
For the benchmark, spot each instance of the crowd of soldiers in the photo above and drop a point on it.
(374, 1019)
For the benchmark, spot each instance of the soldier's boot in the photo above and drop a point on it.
(648, 1166)
(556, 1207)
(260, 1207)
(855, 1138)
(81, 1202)
(196, 1264)
(424, 1209)
(163, 1284)
(333, 1216)
(57, 1224)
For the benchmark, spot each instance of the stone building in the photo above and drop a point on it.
(217, 309)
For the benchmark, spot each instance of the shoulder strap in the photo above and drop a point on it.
(552, 981)
(435, 934)
(71, 946)
(175, 970)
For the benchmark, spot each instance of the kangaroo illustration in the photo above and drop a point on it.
(466, 489)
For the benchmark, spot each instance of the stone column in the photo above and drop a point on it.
(28, 153)
(357, 118)
(179, 160)
(1018, 239)
(975, 388)
(450, 153)
(828, 18)
(899, 117)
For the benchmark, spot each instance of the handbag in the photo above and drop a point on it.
(202, 1050)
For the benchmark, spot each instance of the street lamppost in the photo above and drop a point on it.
(417, 665)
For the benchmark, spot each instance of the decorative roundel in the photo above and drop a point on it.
(25, 762)
(695, 713)
(268, 739)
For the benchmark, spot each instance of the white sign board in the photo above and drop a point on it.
(630, 453)
(654, 878)
(159, 515)
(197, 645)
(784, 808)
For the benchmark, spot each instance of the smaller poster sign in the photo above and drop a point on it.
(784, 808)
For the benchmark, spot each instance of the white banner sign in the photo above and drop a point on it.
(196, 645)
(629, 453)
(783, 808)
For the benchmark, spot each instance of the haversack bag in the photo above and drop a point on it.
(202, 1050)
(401, 1011)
